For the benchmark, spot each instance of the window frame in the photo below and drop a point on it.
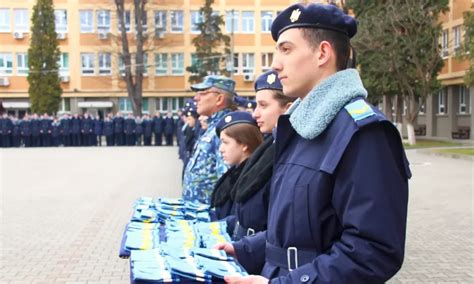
(442, 97)
(267, 58)
(91, 62)
(6, 70)
(246, 60)
(248, 22)
(60, 27)
(162, 64)
(22, 70)
(196, 18)
(266, 21)
(104, 63)
(5, 20)
(229, 17)
(86, 27)
(103, 20)
(177, 23)
(24, 25)
(174, 68)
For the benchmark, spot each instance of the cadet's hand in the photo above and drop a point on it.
(246, 280)
(227, 247)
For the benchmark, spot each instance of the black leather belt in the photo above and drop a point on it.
(289, 258)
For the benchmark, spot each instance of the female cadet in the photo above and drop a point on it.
(250, 192)
(239, 136)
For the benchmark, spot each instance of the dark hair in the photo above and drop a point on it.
(339, 41)
(281, 98)
(246, 134)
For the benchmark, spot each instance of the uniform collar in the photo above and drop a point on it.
(312, 115)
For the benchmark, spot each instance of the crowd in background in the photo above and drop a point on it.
(35, 130)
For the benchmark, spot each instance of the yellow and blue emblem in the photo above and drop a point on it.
(359, 110)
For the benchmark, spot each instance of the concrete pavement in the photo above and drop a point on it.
(63, 210)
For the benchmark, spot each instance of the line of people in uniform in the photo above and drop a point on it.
(86, 130)
(314, 184)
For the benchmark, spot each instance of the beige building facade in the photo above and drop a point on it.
(90, 65)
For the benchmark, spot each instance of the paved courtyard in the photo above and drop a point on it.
(63, 210)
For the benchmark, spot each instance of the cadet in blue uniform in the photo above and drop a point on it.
(66, 130)
(25, 130)
(138, 130)
(214, 99)
(76, 130)
(240, 136)
(168, 128)
(6, 128)
(129, 130)
(189, 135)
(251, 190)
(56, 132)
(147, 130)
(118, 130)
(158, 129)
(98, 129)
(45, 130)
(339, 191)
(109, 130)
(35, 131)
(16, 141)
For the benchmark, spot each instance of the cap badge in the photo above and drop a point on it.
(228, 119)
(295, 15)
(271, 79)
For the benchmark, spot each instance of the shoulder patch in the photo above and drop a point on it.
(359, 110)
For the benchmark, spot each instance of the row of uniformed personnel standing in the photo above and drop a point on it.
(86, 130)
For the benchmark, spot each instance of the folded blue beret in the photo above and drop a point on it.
(268, 81)
(234, 118)
(318, 16)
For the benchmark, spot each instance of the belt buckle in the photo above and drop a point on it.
(250, 232)
(288, 256)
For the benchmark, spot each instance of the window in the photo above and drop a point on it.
(20, 16)
(177, 63)
(6, 63)
(145, 64)
(60, 20)
(161, 64)
(248, 63)
(233, 64)
(177, 21)
(442, 95)
(4, 20)
(162, 104)
(267, 17)
(267, 59)
(145, 105)
(196, 18)
(247, 22)
(64, 64)
(457, 37)
(125, 105)
(144, 22)
(127, 17)
(103, 20)
(121, 65)
(463, 100)
(105, 63)
(421, 104)
(444, 44)
(87, 60)
(232, 21)
(22, 63)
(169, 104)
(87, 22)
(65, 105)
(160, 21)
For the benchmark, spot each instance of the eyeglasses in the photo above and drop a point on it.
(203, 93)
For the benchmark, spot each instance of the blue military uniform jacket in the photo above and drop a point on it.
(338, 202)
(206, 165)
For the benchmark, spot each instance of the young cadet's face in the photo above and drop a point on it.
(268, 110)
(232, 152)
(296, 63)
